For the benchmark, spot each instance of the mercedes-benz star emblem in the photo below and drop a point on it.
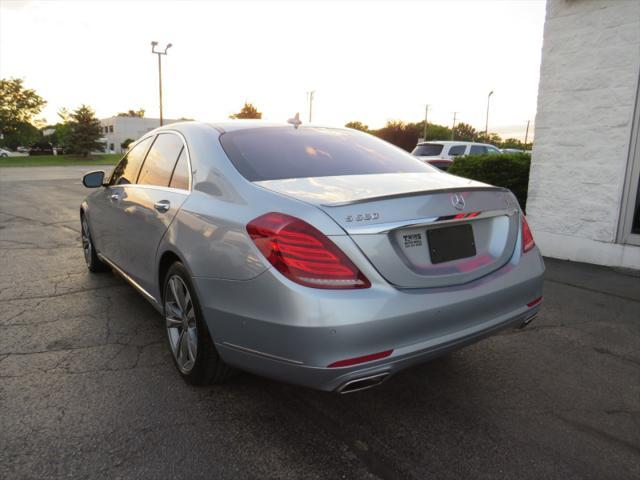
(457, 200)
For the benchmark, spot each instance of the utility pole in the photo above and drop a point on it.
(310, 94)
(426, 116)
(526, 135)
(453, 128)
(486, 125)
(159, 53)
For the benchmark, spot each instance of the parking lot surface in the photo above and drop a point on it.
(88, 388)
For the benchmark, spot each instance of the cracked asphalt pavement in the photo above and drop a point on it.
(88, 389)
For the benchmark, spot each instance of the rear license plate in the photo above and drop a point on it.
(451, 243)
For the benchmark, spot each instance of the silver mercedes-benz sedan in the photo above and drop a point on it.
(317, 256)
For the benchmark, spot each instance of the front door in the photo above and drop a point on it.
(148, 207)
(105, 206)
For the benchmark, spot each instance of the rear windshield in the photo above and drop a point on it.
(427, 150)
(274, 153)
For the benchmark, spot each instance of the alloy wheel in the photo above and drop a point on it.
(180, 322)
(86, 241)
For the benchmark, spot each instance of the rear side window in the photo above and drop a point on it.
(180, 177)
(127, 170)
(272, 153)
(457, 150)
(427, 150)
(161, 160)
(477, 150)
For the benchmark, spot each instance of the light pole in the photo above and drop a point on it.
(159, 53)
(486, 125)
(426, 116)
(310, 94)
(526, 135)
(453, 128)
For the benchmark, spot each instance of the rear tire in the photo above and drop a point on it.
(190, 342)
(94, 264)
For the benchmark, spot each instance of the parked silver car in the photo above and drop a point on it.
(318, 256)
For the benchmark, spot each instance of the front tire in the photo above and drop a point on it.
(94, 264)
(192, 348)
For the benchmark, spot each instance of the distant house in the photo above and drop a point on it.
(116, 130)
(584, 198)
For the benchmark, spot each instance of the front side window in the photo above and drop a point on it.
(274, 153)
(127, 170)
(493, 150)
(457, 150)
(160, 160)
(427, 150)
(477, 150)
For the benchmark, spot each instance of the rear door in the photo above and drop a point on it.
(148, 207)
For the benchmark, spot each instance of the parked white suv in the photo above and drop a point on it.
(441, 153)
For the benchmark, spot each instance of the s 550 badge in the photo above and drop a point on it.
(361, 217)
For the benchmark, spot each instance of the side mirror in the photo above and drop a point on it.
(93, 179)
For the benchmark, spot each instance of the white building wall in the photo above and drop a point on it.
(588, 82)
(127, 127)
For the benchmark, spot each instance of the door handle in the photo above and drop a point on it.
(162, 206)
(114, 197)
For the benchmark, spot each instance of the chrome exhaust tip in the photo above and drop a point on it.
(363, 383)
(528, 320)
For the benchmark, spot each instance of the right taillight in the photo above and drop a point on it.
(527, 237)
(303, 254)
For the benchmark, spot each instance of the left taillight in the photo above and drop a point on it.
(303, 254)
(527, 237)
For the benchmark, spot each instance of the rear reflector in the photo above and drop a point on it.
(366, 358)
(527, 237)
(534, 302)
(303, 254)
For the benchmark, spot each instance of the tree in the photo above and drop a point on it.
(403, 135)
(493, 138)
(357, 126)
(85, 132)
(434, 131)
(247, 111)
(133, 113)
(512, 143)
(124, 145)
(465, 132)
(18, 106)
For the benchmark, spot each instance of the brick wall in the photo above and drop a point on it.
(588, 81)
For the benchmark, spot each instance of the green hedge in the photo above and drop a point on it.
(510, 170)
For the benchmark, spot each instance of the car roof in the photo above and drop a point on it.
(454, 142)
(233, 125)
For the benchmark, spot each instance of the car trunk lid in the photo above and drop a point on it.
(397, 221)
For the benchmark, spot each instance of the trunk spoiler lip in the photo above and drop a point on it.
(415, 194)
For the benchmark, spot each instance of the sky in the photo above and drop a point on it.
(370, 61)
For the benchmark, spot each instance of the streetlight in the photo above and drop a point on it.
(486, 125)
(310, 94)
(426, 116)
(153, 50)
(526, 135)
(453, 128)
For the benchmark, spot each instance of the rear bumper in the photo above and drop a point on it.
(272, 327)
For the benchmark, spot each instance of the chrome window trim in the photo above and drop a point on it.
(130, 280)
(153, 187)
(424, 222)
